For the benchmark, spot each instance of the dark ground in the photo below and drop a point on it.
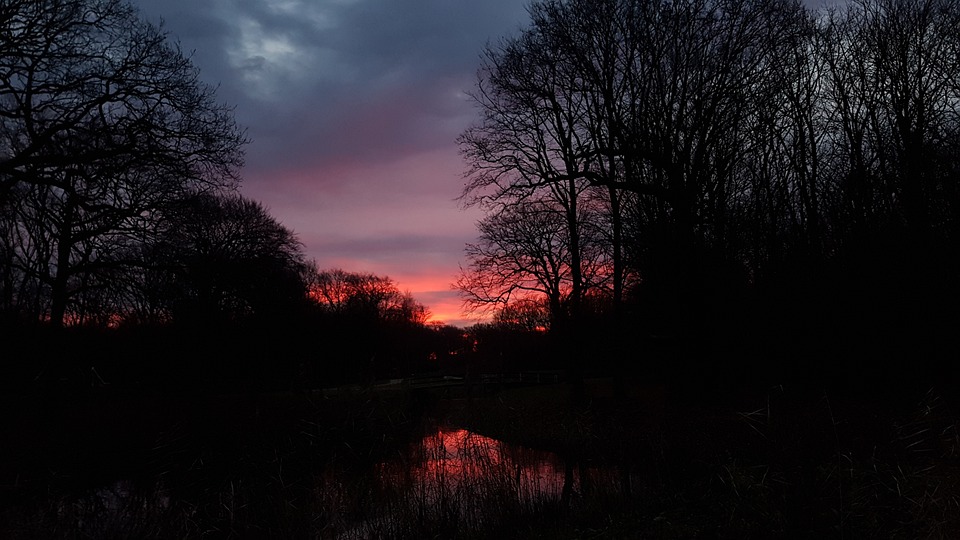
(794, 462)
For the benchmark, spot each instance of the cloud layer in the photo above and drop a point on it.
(353, 107)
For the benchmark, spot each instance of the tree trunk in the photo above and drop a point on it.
(59, 293)
(576, 271)
(617, 248)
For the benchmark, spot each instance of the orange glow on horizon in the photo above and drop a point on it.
(432, 289)
(442, 303)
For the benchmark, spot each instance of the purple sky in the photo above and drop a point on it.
(353, 108)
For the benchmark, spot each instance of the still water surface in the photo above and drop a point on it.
(459, 459)
(448, 481)
(452, 477)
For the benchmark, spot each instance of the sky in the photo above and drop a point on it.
(353, 108)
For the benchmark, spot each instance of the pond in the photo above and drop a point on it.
(449, 482)
(459, 460)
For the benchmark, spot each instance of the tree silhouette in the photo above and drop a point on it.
(364, 297)
(229, 259)
(529, 314)
(530, 141)
(762, 165)
(104, 124)
(525, 251)
(647, 98)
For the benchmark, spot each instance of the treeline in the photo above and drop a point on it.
(112, 153)
(127, 257)
(734, 188)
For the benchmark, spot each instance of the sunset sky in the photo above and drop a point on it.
(353, 108)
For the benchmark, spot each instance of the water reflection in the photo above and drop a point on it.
(459, 459)
(446, 484)
(454, 480)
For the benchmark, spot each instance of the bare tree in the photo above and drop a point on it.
(228, 258)
(524, 251)
(103, 123)
(529, 314)
(530, 140)
(365, 296)
(910, 56)
(651, 98)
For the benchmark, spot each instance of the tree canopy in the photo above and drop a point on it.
(741, 153)
(104, 127)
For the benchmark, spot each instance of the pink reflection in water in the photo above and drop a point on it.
(460, 461)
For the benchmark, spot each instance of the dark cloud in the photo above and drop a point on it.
(353, 107)
(316, 80)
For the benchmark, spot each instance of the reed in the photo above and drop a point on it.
(517, 466)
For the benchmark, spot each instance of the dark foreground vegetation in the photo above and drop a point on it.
(625, 461)
(729, 229)
(759, 183)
